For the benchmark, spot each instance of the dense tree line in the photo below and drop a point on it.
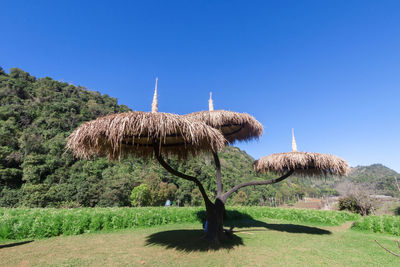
(36, 116)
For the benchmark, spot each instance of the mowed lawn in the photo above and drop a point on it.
(270, 243)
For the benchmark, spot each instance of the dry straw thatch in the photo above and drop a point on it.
(233, 125)
(136, 133)
(303, 163)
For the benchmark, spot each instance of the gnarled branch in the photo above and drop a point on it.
(181, 175)
(218, 169)
(237, 187)
(391, 252)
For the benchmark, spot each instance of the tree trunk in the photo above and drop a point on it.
(215, 219)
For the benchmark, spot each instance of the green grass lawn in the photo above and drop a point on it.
(256, 243)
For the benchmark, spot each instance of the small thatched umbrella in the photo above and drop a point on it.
(233, 125)
(302, 163)
(139, 132)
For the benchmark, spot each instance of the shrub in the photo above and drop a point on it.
(240, 198)
(140, 196)
(360, 204)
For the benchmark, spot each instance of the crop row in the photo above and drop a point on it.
(379, 224)
(39, 223)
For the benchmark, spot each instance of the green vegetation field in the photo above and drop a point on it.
(40, 223)
(161, 236)
(379, 224)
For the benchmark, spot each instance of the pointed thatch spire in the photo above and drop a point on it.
(154, 105)
(210, 103)
(294, 146)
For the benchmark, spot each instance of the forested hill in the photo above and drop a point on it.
(376, 179)
(372, 173)
(36, 116)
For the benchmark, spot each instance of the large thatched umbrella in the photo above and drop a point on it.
(146, 134)
(137, 133)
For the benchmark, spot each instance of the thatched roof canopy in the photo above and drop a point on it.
(136, 133)
(303, 163)
(233, 125)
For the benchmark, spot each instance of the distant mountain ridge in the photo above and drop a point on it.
(376, 178)
(363, 173)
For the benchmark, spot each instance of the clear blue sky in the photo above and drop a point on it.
(328, 69)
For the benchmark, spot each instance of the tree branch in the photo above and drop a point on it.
(181, 175)
(237, 187)
(218, 168)
(391, 252)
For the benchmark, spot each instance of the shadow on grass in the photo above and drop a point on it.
(241, 220)
(15, 244)
(289, 228)
(190, 240)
